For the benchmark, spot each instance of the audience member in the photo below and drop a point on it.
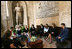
(32, 30)
(19, 31)
(41, 30)
(46, 30)
(63, 34)
(8, 43)
(26, 31)
(53, 32)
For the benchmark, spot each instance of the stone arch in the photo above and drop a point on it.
(25, 12)
(24, 4)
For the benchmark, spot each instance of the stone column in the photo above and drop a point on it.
(34, 14)
(9, 14)
(25, 15)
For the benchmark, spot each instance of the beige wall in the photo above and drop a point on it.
(3, 18)
(63, 17)
(65, 13)
(43, 16)
(48, 20)
(30, 12)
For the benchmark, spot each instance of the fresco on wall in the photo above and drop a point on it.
(46, 9)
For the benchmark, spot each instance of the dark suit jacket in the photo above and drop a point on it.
(64, 33)
(26, 30)
(32, 29)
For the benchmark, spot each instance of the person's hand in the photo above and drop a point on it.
(24, 33)
(59, 37)
(12, 46)
(28, 32)
(19, 46)
(45, 32)
(21, 33)
(52, 32)
(14, 37)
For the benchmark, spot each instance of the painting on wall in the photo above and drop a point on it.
(46, 9)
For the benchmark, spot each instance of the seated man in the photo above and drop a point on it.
(63, 35)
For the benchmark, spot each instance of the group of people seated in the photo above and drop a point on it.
(50, 32)
(12, 36)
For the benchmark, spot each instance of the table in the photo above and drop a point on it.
(36, 44)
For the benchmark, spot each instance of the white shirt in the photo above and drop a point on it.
(46, 29)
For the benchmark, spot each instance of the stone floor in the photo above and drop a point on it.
(47, 45)
(53, 44)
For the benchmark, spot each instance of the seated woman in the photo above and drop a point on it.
(18, 31)
(32, 30)
(46, 30)
(17, 42)
(11, 30)
(8, 43)
(53, 32)
(41, 30)
(22, 30)
(26, 31)
(63, 35)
